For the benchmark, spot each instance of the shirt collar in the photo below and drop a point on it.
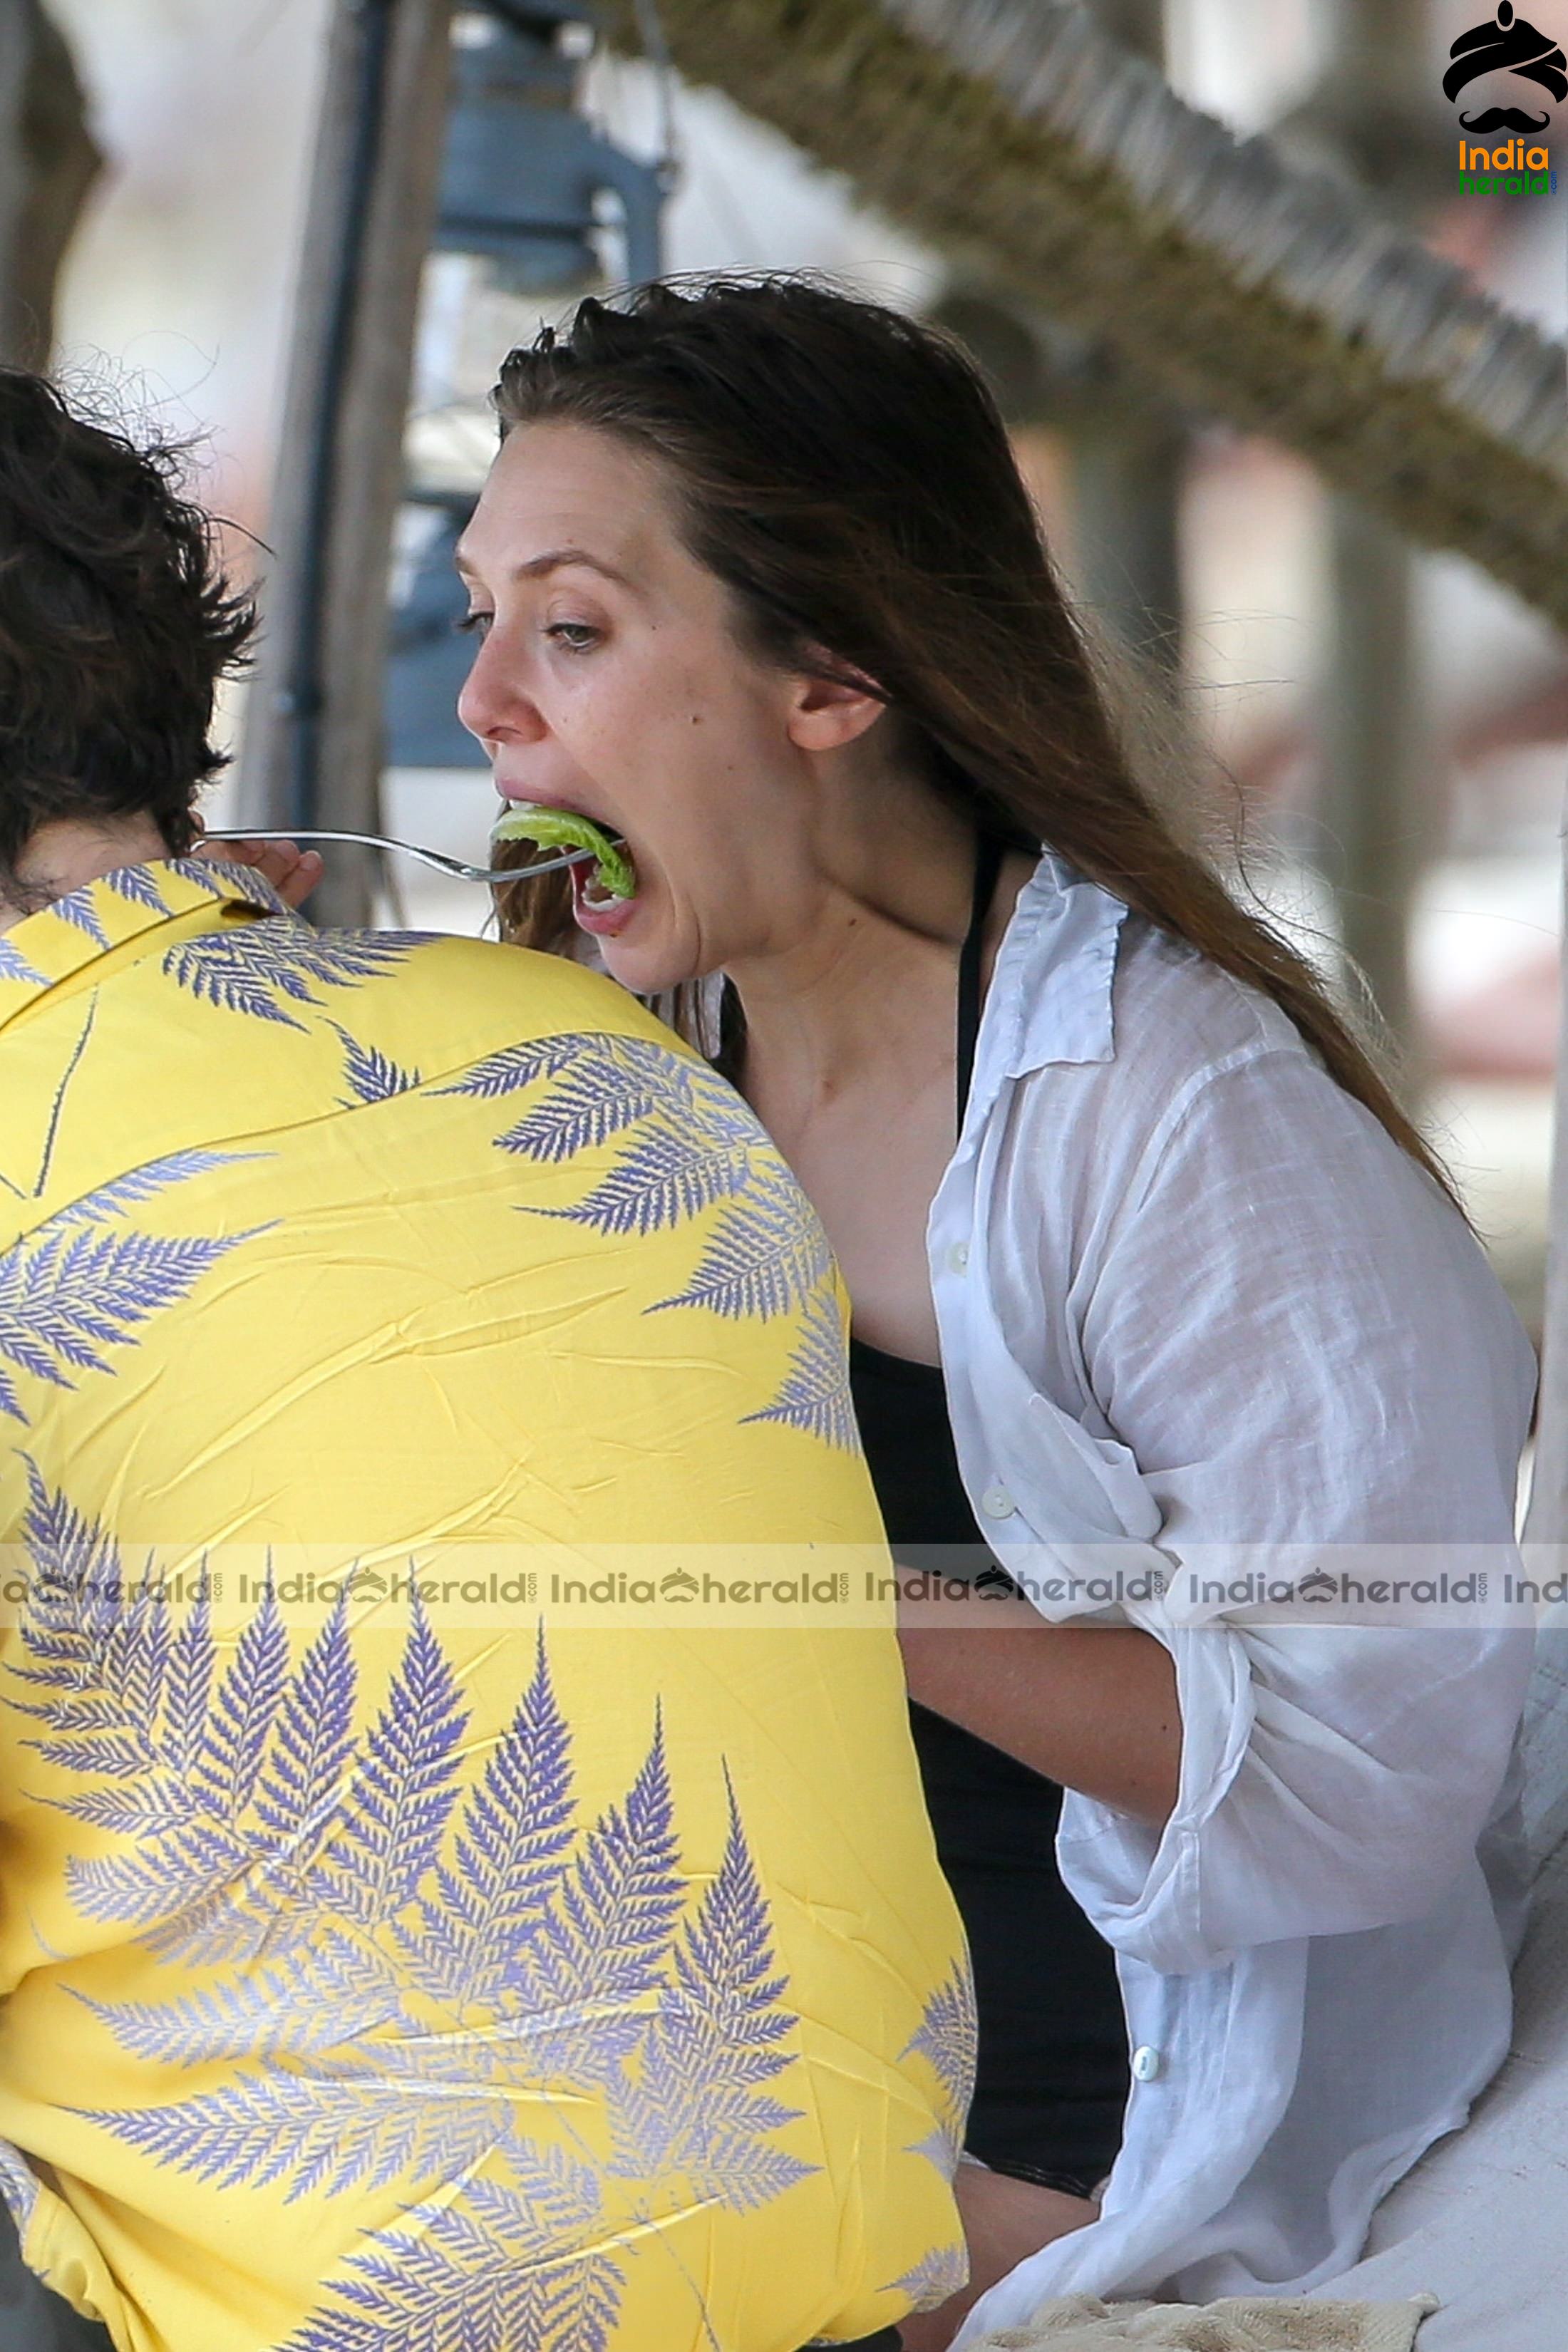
(1049, 999)
(1051, 989)
(71, 933)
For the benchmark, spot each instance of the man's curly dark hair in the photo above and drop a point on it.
(117, 623)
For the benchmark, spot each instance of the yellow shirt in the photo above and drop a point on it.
(394, 1955)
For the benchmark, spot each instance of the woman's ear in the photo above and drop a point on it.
(825, 713)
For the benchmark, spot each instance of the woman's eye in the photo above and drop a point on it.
(474, 624)
(577, 637)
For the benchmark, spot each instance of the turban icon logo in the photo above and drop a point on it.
(995, 1579)
(1507, 45)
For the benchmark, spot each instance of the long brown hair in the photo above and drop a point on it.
(845, 471)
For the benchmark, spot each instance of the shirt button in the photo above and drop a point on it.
(1147, 2063)
(997, 1503)
(958, 1257)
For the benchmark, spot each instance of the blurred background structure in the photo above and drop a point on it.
(1247, 513)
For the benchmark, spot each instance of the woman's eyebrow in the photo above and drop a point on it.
(555, 560)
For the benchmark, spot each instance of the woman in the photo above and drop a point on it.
(756, 584)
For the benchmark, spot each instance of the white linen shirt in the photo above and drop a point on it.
(1190, 1293)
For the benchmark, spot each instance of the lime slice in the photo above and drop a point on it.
(564, 829)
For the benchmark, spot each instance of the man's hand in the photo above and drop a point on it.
(293, 871)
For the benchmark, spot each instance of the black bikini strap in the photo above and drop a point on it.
(989, 851)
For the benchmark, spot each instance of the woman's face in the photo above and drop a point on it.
(609, 679)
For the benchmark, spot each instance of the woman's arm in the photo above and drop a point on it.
(1313, 1366)
(1092, 1706)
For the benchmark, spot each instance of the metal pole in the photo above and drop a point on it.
(314, 751)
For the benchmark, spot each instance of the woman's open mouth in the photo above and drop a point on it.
(595, 908)
(604, 883)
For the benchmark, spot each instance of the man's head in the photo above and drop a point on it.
(116, 624)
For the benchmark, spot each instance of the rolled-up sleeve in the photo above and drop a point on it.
(1306, 1353)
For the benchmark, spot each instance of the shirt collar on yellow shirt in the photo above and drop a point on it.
(115, 912)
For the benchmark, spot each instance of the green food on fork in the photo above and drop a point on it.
(555, 828)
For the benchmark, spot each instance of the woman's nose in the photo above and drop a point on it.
(497, 709)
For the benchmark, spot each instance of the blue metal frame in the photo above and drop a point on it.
(521, 186)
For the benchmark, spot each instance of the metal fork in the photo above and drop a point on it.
(435, 858)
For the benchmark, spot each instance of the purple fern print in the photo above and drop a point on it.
(72, 1291)
(233, 971)
(68, 1295)
(397, 1968)
(607, 1940)
(602, 1086)
(77, 1574)
(478, 1925)
(79, 912)
(516, 2269)
(766, 1258)
(136, 883)
(305, 1762)
(108, 1201)
(668, 1176)
(259, 968)
(14, 965)
(321, 2132)
(693, 1147)
(240, 1725)
(18, 2186)
(370, 1076)
(187, 1682)
(325, 1993)
(603, 1093)
(815, 1394)
(96, 1659)
(224, 879)
(87, 1623)
(402, 1793)
(717, 2036)
(103, 1670)
(934, 2278)
(948, 2040)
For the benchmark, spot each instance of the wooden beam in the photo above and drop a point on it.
(1013, 135)
(314, 749)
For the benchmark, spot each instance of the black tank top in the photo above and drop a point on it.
(1053, 2071)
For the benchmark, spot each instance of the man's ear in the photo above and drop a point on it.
(826, 713)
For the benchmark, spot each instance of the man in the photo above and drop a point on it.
(414, 1932)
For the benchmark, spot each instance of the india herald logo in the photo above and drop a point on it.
(1510, 45)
